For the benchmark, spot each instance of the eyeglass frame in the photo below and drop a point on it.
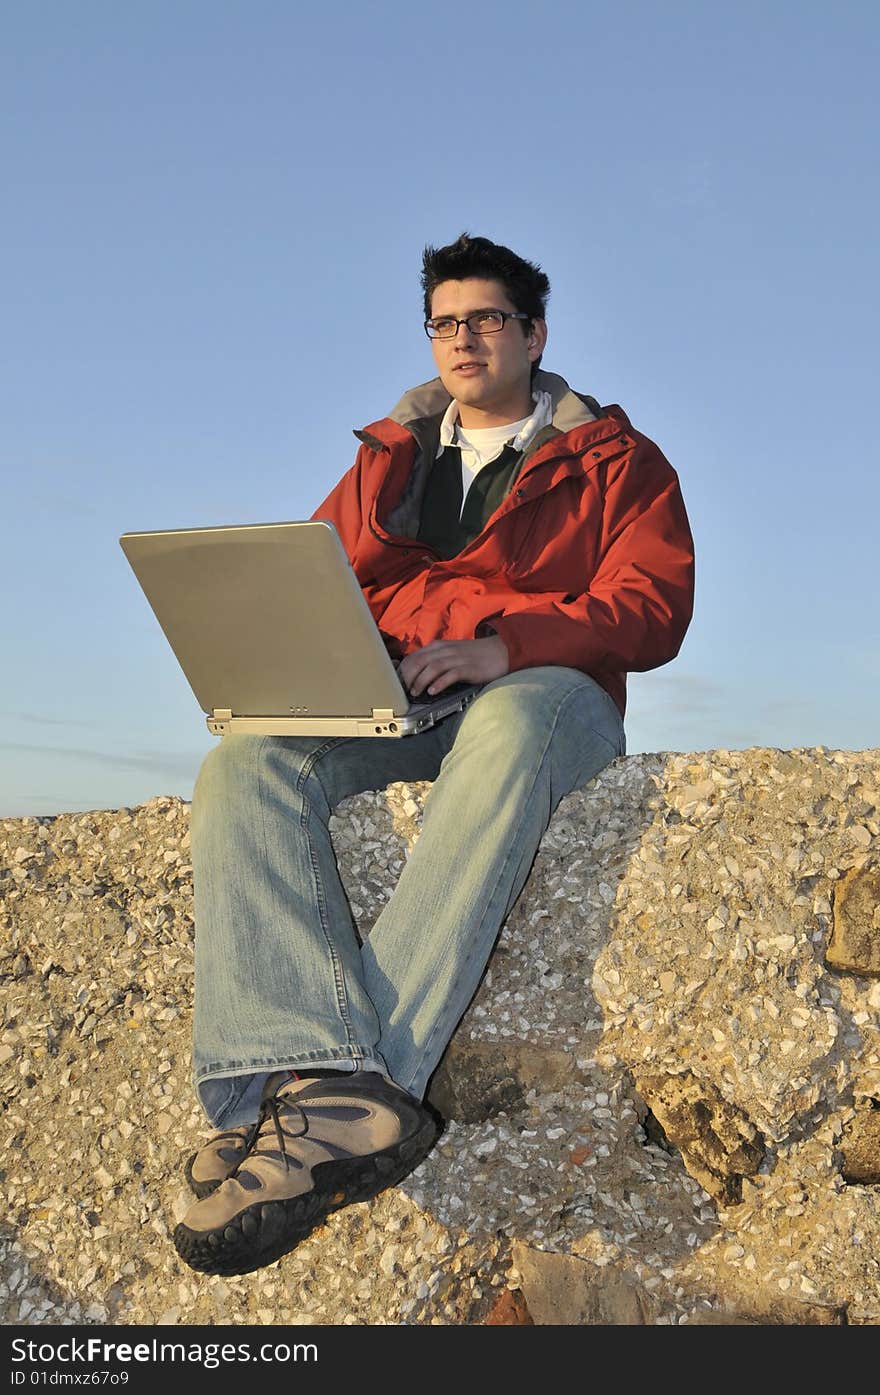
(487, 310)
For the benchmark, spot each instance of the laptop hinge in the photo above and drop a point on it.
(222, 714)
(383, 714)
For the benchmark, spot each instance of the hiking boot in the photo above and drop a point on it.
(219, 1158)
(320, 1144)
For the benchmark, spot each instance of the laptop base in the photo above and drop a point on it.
(382, 722)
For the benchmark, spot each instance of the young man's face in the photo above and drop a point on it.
(489, 375)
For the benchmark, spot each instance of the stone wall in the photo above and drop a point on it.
(663, 1104)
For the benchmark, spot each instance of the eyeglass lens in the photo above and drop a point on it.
(482, 322)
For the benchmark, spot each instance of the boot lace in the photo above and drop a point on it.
(275, 1109)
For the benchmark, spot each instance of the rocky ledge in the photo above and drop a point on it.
(662, 1106)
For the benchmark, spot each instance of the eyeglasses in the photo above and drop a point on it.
(480, 322)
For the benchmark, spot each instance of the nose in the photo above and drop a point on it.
(469, 336)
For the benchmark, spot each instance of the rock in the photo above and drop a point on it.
(775, 1314)
(572, 1292)
(476, 1080)
(510, 1310)
(717, 1141)
(855, 939)
(658, 1104)
(860, 1146)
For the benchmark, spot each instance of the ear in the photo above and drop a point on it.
(536, 339)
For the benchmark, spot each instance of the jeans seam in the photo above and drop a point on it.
(573, 692)
(600, 736)
(337, 968)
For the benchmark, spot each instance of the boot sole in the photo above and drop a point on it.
(269, 1229)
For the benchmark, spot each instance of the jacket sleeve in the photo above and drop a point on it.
(635, 611)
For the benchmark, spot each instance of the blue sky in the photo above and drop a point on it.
(213, 220)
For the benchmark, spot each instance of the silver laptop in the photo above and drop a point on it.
(274, 634)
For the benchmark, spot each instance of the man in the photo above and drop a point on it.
(508, 532)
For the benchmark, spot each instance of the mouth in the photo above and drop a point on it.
(470, 367)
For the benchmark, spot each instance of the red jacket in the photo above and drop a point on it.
(587, 563)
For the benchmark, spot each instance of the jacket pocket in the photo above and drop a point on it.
(548, 544)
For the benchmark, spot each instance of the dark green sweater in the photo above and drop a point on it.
(444, 525)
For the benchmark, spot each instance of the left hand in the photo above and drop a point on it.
(447, 661)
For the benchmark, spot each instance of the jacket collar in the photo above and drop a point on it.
(420, 412)
(418, 415)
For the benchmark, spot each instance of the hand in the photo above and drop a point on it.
(447, 661)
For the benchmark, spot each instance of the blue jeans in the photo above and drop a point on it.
(282, 981)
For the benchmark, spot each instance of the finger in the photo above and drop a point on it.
(406, 670)
(413, 671)
(447, 675)
(414, 662)
(427, 678)
(422, 665)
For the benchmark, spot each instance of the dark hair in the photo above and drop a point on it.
(525, 282)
